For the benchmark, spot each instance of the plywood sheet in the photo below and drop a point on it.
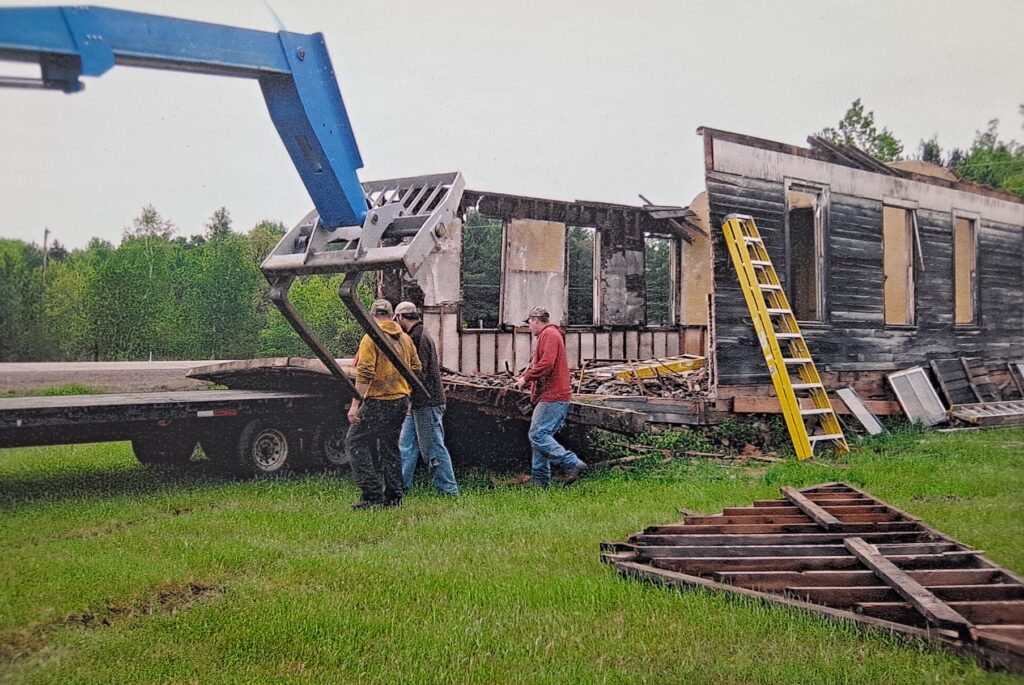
(897, 263)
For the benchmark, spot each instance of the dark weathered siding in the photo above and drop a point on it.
(854, 335)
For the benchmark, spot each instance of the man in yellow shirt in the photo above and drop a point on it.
(376, 422)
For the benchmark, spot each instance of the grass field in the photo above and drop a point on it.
(115, 574)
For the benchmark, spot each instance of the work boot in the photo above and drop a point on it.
(366, 504)
(393, 503)
(573, 475)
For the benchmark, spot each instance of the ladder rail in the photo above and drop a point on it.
(773, 319)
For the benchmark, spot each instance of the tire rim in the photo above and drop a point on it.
(334, 447)
(270, 450)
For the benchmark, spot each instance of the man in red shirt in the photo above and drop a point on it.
(550, 391)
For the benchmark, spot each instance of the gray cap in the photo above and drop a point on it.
(538, 313)
(405, 308)
(382, 307)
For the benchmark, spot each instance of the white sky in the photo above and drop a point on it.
(581, 99)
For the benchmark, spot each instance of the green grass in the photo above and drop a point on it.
(502, 585)
(67, 389)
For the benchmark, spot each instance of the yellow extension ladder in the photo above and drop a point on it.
(774, 323)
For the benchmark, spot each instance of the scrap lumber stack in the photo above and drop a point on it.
(836, 550)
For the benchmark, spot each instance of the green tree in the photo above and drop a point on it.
(656, 276)
(22, 325)
(263, 237)
(481, 271)
(580, 248)
(219, 224)
(71, 295)
(992, 161)
(150, 224)
(858, 128)
(220, 292)
(316, 299)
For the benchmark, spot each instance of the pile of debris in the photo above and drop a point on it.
(682, 376)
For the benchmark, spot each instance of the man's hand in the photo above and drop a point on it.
(353, 414)
(521, 383)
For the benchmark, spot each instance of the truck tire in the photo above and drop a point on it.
(329, 445)
(163, 450)
(267, 447)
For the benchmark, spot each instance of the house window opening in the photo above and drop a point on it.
(481, 271)
(579, 248)
(658, 280)
(898, 265)
(964, 272)
(804, 250)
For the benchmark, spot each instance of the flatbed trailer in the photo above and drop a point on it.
(242, 431)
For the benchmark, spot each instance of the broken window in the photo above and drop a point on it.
(964, 272)
(481, 271)
(898, 265)
(579, 246)
(805, 250)
(658, 254)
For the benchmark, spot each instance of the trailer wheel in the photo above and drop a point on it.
(163, 450)
(266, 448)
(329, 445)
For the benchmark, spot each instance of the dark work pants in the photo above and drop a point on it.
(373, 449)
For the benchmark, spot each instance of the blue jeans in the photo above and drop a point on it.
(423, 435)
(548, 418)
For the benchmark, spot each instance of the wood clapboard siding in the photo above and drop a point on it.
(854, 334)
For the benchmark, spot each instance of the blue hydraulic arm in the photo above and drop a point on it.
(294, 72)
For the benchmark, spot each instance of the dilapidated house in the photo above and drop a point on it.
(885, 267)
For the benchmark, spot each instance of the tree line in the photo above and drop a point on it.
(159, 296)
(991, 159)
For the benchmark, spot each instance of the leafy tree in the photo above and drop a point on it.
(930, 151)
(858, 128)
(134, 300)
(994, 162)
(656, 274)
(263, 237)
(481, 271)
(580, 247)
(219, 224)
(70, 295)
(22, 334)
(221, 290)
(316, 299)
(150, 224)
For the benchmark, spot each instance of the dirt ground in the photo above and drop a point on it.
(104, 376)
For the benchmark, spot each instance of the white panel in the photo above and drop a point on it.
(505, 351)
(487, 364)
(672, 344)
(469, 343)
(647, 344)
(660, 348)
(916, 396)
(449, 341)
(572, 349)
(534, 270)
(618, 349)
(587, 346)
(632, 345)
(523, 350)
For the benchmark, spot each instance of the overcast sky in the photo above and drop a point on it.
(587, 99)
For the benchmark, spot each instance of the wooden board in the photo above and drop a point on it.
(953, 381)
(856, 406)
(913, 579)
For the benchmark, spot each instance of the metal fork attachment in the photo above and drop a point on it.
(406, 220)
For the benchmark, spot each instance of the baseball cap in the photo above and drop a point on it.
(405, 308)
(538, 312)
(382, 307)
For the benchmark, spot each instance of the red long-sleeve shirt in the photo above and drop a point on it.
(549, 371)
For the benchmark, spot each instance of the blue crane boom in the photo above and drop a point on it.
(294, 72)
(355, 228)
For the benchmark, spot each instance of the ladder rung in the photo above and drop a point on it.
(828, 436)
(751, 239)
(815, 411)
(769, 286)
(770, 310)
(788, 336)
(806, 386)
(760, 262)
(797, 360)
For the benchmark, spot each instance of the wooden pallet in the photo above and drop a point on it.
(836, 550)
(990, 413)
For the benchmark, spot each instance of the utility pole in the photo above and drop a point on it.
(46, 234)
